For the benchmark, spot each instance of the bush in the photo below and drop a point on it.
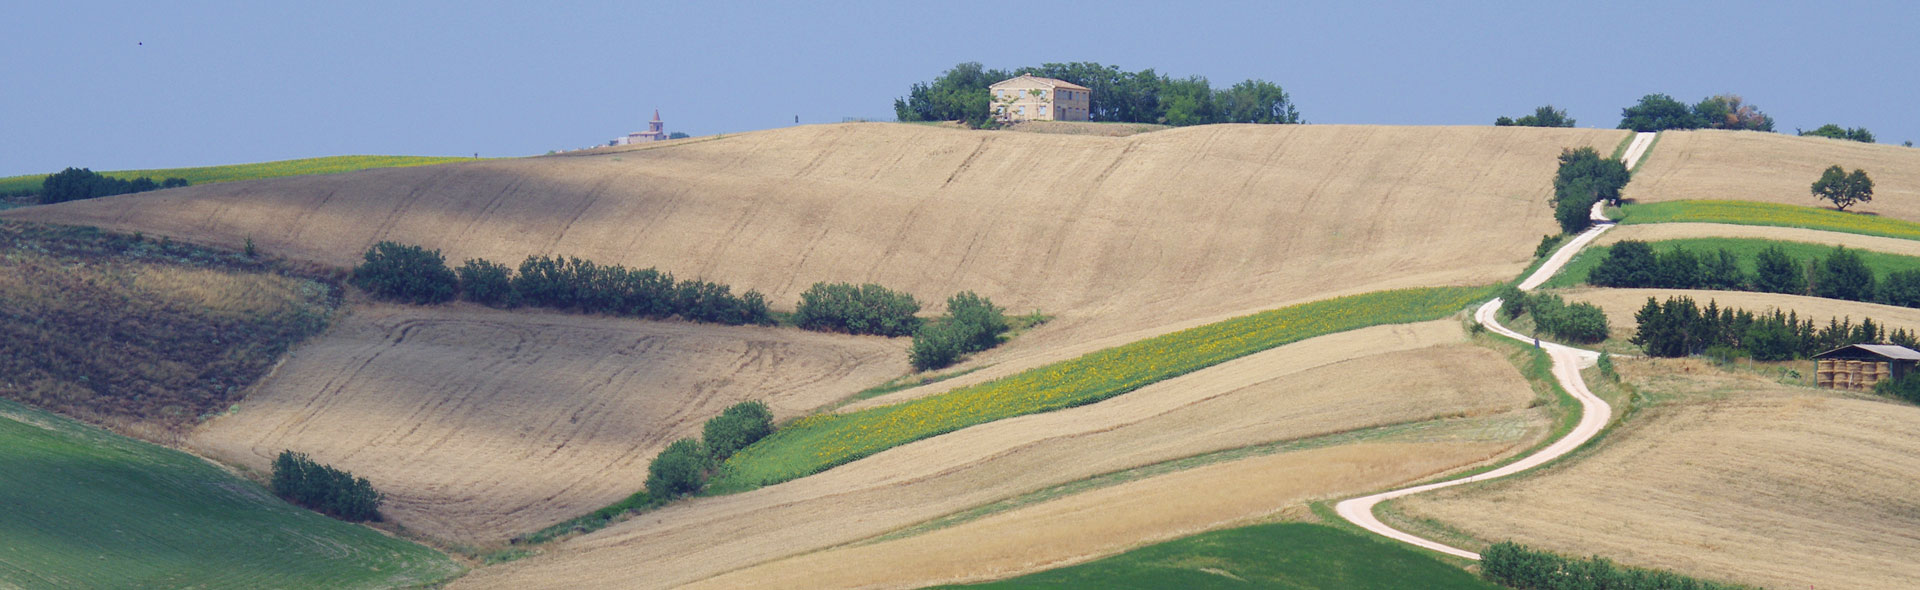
(935, 346)
(679, 470)
(979, 321)
(487, 283)
(74, 184)
(1580, 322)
(1907, 388)
(1547, 243)
(406, 273)
(736, 428)
(1516, 566)
(578, 284)
(1777, 272)
(1844, 276)
(1513, 301)
(866, 309)
(322, 488)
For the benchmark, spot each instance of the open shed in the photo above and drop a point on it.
(1857, 367)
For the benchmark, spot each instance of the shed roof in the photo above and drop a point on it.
(1886, 350)
(1032, 79)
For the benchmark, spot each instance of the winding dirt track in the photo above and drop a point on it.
(1567, 361)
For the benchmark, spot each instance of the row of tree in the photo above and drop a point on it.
(1841, 275)
(416, 275)
(1680, 327)
(961, 94)
(298, 479)
(1859, 134)
(1518, 566)
(74, 184)
(1545, 116)
(864, 309)
(1660, 112)
(1583, 179)
(1579, 322)
(685, 465)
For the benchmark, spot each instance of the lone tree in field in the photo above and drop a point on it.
(1843, 189)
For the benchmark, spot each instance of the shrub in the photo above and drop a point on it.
(866, 309)
(487, 283)
(406, 273)
(936, 345)
(679, 470)
(1844, 276)
(736, 428)
(1513, 301)
(979, 321)
(1580, 322)
(322, 488)
(1907, 388)
(1547, 243)
(1516, 566)
(579, 284)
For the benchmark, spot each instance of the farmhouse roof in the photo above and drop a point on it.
(1886, 350)
(1048, 82)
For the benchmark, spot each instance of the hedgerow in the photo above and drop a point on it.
(324, 489)
(407, 273)
(1517, 566)
(865, 309)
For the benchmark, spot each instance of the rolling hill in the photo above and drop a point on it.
(1773, 168)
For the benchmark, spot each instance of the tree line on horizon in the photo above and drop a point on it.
(1661, 112)
(1115, 95)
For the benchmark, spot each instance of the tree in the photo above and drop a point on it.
(406, 273)
(1659, 112)
(1545, 116)
(1843, 189)
(301, 481)
(980, 322)
(959, 94)
(1187, 102)
(1629, 264)
(1777, 272)
(1901, 288)
(1859, 134)
(1844, 276)
(1608, 175)
(487, 283)
(866, 309)
(1729, 111)
(1256, 101)
(679, 470)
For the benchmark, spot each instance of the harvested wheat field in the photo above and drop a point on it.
(1754, 482)
(1621, 304)
(1368, 377)
(1110, 234)
(481, 424)
(1675, 231)
(1110, 520)
(1773, 168)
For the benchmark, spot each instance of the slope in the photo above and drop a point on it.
(1773, 168)
(481, 424)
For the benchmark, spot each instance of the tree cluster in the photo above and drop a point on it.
(1545, 116)
(1841, 275)
(1522, 568)
(865, 309)
(972, 324)
(74, 184)
(324, 489)
(1579, 322)
(684, 466)
(1859, 134)
(961, 94)
(1842, 189)
(1680, 327)
(1583, 179)
(417, 275)
(1660, 112)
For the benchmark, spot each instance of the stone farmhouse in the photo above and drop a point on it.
(1032, 98)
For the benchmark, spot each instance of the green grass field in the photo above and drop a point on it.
(84, 508)
(820, 442)
(1290, 556)
(1751, 213)
(232, 172)
(1576, 271)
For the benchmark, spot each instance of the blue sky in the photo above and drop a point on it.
(161, 84)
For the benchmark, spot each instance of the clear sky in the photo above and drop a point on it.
(119, 85)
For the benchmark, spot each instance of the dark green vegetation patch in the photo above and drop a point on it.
(1291, 556)
(84, 508)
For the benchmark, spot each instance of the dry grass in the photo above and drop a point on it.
(1113, 236)
(1110, 520)
(1774, 168)
(1742, 480)
(1086, 128)
(1336, 383)
(481, 424)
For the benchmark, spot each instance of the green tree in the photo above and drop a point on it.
(1545, 116)
(1775, 271)
(406, 273)
(487, 283)
(866, 309)
(1606, 176)
(679, 470)
(1629, 264)
(1187, 101)
(734, 429)
(1842, 189)
(936, 345)
(1901, 288)
(1729, 111)
(1844, 276)
(1830, 130)
(959, 94)
(1256, 101)
(1659, 112)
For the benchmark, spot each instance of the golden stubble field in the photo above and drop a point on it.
(1774, 168)
(1621, 304)
(481, 424)
(1743, 480)
(1368, 377)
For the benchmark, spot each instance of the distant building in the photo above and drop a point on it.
(1858, 367)
(1032, 98)
(656, 131)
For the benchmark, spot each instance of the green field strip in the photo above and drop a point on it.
(253, 171)
(1746, 249)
